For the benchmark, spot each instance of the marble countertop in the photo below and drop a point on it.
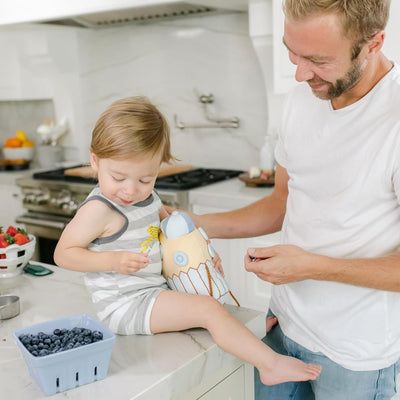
(228, 195)
(163, 366)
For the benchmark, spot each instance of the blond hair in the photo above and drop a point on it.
(129, 128)
(360, 19)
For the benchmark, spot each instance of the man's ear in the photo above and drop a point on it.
(375, 44)
(94, 161)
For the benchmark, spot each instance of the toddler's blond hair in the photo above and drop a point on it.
(131, 127)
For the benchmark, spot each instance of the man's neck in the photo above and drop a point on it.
(375, 70)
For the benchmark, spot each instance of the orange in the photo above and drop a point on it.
(13, 142)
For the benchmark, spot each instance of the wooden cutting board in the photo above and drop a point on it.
(87, 171)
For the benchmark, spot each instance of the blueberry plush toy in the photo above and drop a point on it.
(187, 259)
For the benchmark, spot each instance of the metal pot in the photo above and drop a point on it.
(9, 306)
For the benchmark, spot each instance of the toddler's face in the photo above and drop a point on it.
(126, 182)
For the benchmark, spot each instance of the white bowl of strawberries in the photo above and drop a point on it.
(16, 249)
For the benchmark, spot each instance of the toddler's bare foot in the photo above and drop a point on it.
(289, 369)
(270, 322)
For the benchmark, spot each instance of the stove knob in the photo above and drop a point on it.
(63, 198)
(41, 199)
(70, 207)
(28, 198)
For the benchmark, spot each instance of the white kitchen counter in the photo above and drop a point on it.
(228, 195)
(163, 366)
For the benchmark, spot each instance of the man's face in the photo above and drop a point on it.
(340, 85)
(322, 55)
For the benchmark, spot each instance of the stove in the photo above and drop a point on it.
(52, 197)
(191, 179)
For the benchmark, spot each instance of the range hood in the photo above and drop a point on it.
(103, 13)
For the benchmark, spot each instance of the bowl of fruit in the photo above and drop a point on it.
(16, 249)
(18, 150)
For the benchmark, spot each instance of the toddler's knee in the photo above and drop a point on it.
(211, 307)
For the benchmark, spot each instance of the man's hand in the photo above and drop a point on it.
(280, 264)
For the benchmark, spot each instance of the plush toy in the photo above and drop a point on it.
(187, 259)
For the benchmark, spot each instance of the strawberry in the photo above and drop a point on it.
(3, 242)
(20, 230)
(20, 239)
(11, 230)
(6, 239)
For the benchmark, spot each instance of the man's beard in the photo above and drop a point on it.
(341, 85)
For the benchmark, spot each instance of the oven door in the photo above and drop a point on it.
(47, 229)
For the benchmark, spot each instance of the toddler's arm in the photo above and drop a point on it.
(94, 220)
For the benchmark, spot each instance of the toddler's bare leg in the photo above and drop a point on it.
(175, 311)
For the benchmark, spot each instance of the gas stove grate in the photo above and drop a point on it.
(191, 179)
(195, 178)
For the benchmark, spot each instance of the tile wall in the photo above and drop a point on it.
(83, 70)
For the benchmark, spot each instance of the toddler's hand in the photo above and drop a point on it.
(218, 264)
(127, 262)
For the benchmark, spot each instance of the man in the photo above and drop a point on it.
(337, 201)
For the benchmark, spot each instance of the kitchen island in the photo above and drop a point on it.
(180, 365)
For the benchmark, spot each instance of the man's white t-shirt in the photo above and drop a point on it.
(344, 202)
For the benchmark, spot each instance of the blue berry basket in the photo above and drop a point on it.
(70, 368)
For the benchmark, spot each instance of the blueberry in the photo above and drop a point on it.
(44, 352)
(97, 335)
(43, 344)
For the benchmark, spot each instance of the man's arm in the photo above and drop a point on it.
(286, 263)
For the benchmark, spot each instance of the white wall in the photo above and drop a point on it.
(85, 70)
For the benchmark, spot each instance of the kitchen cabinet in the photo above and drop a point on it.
(11, 205)
(231, 388)
(284, 70)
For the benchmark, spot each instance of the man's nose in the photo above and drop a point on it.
(303, 69)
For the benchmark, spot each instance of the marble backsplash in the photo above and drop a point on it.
(83, 70)
(24, 115)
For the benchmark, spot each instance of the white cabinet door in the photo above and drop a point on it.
(249, 290)
(284, 70)
(231, 388)
(11, 207)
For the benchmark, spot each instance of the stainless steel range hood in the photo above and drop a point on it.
(104, 13)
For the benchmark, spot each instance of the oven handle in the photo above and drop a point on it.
(40, 222)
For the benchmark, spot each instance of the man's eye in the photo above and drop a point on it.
(318, 62)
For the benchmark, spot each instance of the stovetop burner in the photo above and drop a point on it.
(195, 178)
(191, 179)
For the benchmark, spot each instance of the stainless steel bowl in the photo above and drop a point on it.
(9, 306)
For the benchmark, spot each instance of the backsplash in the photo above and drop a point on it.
(24, 115)
(82, 71)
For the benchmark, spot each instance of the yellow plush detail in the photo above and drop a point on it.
(153, 232)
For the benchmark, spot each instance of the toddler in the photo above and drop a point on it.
(113, 237)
